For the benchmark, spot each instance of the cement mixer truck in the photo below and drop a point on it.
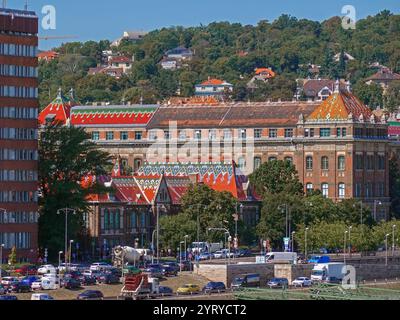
(129, 255)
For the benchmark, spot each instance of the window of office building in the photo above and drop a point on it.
(95, 135)
(324, 163)
(358, 190)
(270, 159)
(309, 188)
(370, 161)
(381, 162)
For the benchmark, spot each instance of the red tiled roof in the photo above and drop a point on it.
(59, 109)
(212, 82)
(270, 73)
(112, 115)
(120, 59)
(384, 74)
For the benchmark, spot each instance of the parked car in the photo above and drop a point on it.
(172, 265)
(108, 278)
(88, 281)
(3, 290)
(27, 270)
(41, 296)
(165, 291)
(71, 284)
(188, 289)
(220, 254)
(154, 272)
(302, 282)
(244, 253)
(206, 256)
(246, 281)
(7, 281)
(37, 285)
(100, 266)
(90, 295)
(278, 283)
(212, 287)
(29, 280)
(8, 298)
(115, 271)
(74, 275)
(20, 287)
(46, 269)
(169, 272)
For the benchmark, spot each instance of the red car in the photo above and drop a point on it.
(28, 270)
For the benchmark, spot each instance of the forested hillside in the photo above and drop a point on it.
(232, 51)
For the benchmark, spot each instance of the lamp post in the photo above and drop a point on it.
(344, 247)
(376, 203)
(386, 245)
(70, 252)
(393, 239)
(1, 260)
(66, 211)
(305, 243)
(226, 233)
(59, 259)
(186, 237)
(350, 228)
(293, 233)
(199, 205)
(152, 246)
(180, 255)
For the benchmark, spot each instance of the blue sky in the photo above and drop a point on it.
(98, 19)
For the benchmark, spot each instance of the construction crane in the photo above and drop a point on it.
(57, 37)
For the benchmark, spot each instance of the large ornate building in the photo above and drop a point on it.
(337, 145)
(18, 133)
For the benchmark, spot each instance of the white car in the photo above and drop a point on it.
(7, 281)
(46, 269)
(219, 254)
(100, 266)
(37, 285)
(41, 296)
(302, 282)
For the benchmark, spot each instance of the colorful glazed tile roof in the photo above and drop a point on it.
(267, 71)
(341, 106)
(136, 115)
(59, 109)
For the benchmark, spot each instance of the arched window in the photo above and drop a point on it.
(342, 190)
(270, 159)
(324, 163)
(309, 163)
(309, 188)
(137, 163)
(289, 159)
(257, 163)
(242, 163)
(341, 163)
(325, 190)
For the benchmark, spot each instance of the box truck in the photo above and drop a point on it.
(328, 272)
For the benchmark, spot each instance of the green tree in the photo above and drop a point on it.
(67, 159)
(277, 177)
(12, 258)
(394, 187)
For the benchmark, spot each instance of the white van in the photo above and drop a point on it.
(272, 257)
(47, 269)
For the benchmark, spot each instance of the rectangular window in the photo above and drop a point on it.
(138, 135)
(124, 135)
(325, 132)
(197, 134)
(288, 133)
(109, 135)
(257, 133)
(212, 134)
(227, 134)
(152, 135)
(167, 135)
(242, 133)
(359, 162)
(273, 133)
(95, 135)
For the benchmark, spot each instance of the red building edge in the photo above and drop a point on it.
(18, 134)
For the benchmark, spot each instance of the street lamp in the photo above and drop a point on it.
(305, 243)
(1, 260)
(198, 205)
(70, 252)
(344, 247)
(386, 245)
(66, 211)
(226, 233)
(59, 259)
(393, 239)
(376, 203)
(350, 228)
(186, 237)
(180, 255)
(293, 233)
(285, 209)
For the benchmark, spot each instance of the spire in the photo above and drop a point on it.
(72, 94)
(337, 86)
(59, 93)
(348, 86)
